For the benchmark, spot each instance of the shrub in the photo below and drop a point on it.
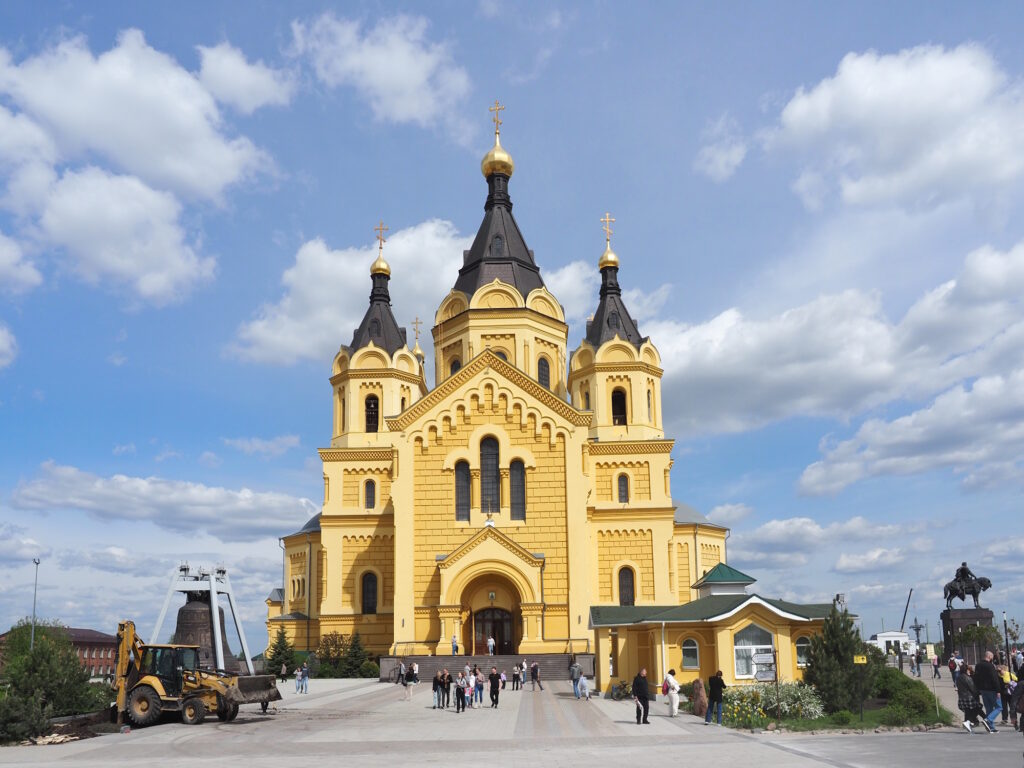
(894, 714)
(889, 681)
(794, 700)
(23, 716)
(281, 651)
(915, 698)
(842, 717)
(369, 669)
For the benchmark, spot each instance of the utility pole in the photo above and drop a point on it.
(35, 589)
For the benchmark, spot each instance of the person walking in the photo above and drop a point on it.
(435, 689)
(986, 679)
(471, 689)
(1005, 680)
(522, 673)
(490, 645)
(460, 693)
(284, 671)
(455, 645)
(671, 687)
(446, 688)
(584, 688)
(919, 660)
(515, 678)
(716, 690)
(575, 673)
(415, 672)
(935, 667)
(305, 677)
(298, 679)
(408, 683)
(535, 675)
(641, 696)
(967, 700)
(504, 679)
(495, 680)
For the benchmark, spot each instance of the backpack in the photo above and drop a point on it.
(664, 687)
(952, 665)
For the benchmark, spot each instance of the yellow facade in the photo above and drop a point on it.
(579, 491)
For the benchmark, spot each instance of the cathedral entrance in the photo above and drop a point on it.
(496, 623)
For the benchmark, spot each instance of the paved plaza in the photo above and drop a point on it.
(355, 723)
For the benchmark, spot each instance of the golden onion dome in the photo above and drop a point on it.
(608, 258)
(497, 160)
(418, 351)
(380, 267)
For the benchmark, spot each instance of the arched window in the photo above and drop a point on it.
(370, 495)
(691, 656)
(454, 367)
(372, 413)
(517, 489)
(544, 373)
(803, 651)
(369, 587)
(490, 485)
(619, 406)
(403, 403)
(462, 491)
(586, 400)
(501, 354)
(749, 641)
(623, 489)
(649, 410)
(343, 414)
(625, 586)
(613, 321)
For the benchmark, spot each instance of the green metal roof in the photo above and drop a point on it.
(723, 574)
(704, 609)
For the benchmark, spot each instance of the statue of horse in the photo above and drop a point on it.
(974, 588)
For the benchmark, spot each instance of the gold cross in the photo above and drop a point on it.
(416, 327)
(607, 221)
(380, 229)
(496, 109)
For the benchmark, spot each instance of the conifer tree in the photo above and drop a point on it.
(355, 656)
(830, 668)
(280, 651)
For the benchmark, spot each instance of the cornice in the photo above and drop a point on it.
(489, 532)
(630, 447)
(356, 454)
(377, 373)
(510, 313)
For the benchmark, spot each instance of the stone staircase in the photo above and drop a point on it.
(553, 666)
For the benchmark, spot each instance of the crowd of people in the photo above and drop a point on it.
(470, 682)
(988, 691)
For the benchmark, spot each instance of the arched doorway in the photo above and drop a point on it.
(491, 607)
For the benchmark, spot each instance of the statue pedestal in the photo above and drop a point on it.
(953, 623)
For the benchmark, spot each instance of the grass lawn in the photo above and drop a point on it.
(873, 718)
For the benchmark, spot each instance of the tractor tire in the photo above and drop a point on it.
(193, 711)
(143, 706)
(223, 708)
(232, 712)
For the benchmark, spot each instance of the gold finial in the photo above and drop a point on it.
(496, 109)
(416, 327)
(497, 160)
(379, 266)
(608, 258)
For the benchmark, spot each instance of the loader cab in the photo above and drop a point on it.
(168, 663)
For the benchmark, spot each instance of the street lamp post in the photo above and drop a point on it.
(35, 589)
(1006, 641)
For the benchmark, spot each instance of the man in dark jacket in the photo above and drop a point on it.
(716, 691)
(640, 696)
(988, 682)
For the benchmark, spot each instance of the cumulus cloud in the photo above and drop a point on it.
(17, 274)
(875, 559)
(176, 505)
(16, 548)
(575, 285)
(115, 560)
(395, 68)
(116, 229)
(120, 450)
(912, 128)
(8, 346)
(245, 86)
(258, 446)
(722, 150)
(729, 514)
(326, 293)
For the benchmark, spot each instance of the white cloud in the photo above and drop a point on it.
(722, 150)
(116, 229)
(210, 459)
(175, 505)
(120, 450)
(403, 76)
(8, 347)
(232, 80)
(803, 534)
(16, 273)
(255, 445)
(912, 128)
(729, 514)
(326, 293)
(134, 106)
(876, 559)
(575, 285)
(976, 431)
(16, 548)
(116, 560)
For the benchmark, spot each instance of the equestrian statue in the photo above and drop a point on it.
(965, 583)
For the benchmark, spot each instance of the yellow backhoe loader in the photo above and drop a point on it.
(150, 679)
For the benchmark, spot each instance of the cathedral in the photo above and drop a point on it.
(526, 497)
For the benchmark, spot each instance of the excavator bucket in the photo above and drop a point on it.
(254, 689)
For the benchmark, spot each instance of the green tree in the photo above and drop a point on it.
(830, 668)
(281, 651)
(355, 657)
(981, 638)
(333, 648)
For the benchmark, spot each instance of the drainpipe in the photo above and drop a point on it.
(284, 578)
(664, 664)
(543, 605)
(309, 584)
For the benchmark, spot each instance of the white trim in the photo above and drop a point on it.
(752, 599)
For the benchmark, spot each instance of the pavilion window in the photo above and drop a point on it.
(544, 373)
(747, 642)
(454, 367)
(372, 413)
(691, 654)
(619, 407)
(369, 587)
(490, 485)
(803, 651)
(650, 411)
(517, 489)
(626, 580)
(463, 488)
(623, 489)
(370, 495)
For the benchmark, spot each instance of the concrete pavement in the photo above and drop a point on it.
(355, 723)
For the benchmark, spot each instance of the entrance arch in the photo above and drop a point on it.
(492, 607)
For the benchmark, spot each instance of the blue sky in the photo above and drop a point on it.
(815, 212)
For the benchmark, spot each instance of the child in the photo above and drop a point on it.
(584, 688)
